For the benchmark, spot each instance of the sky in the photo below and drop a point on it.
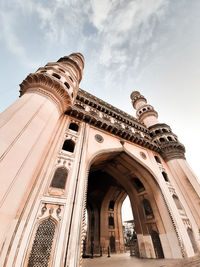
(152, 46)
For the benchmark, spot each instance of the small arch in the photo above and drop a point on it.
(56, 76)
(157, 159)
(138, 185)
(62, 70)
(74, 126)
(112, 243)
(177, 202)
(68, 145)
(147, 208)
(162, 140)
(164, 130)
(111, 221)
(157, 131)
(111, 205)
(67, 85)
(71, 78)
(165, 176)
(169, 138)
(59, 178)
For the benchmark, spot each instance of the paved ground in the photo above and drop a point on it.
(124, 260)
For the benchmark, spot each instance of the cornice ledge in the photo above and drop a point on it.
(48, 86)
(172, 150)
(97, 101)
(112, 128)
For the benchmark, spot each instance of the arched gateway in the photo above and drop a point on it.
(63, 150)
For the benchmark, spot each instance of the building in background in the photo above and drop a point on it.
(63, 151)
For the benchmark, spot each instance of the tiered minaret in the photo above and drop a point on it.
(160, 133)
(27, 132)
(173, 153)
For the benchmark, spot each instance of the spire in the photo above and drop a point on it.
(145, 113)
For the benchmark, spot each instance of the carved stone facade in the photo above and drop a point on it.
(65, 152)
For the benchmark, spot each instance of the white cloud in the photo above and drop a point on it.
(122, 25)
(100, 11)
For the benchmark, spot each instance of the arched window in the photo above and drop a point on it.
(157, 131)
(147, 208)
(169, 138)
(73, 126)
(177, 202)
(67, 85)
(42, 245)
(138, 185)
(59, 178)
(62, 70)
(69, 146)
(111, 221)
(162, 140)
(157, 159)
(111, 205)
(56, 76)
(165, 176)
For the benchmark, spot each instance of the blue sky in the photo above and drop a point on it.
(146, 45)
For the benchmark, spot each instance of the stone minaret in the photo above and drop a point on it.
(173, 153)
(29, 130)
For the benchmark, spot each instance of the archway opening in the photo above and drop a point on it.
(111, 179)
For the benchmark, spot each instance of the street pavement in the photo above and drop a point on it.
(125, 260)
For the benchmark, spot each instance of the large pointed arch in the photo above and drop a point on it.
(128, 168)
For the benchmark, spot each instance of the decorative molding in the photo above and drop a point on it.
(99, 138)
(47, 85)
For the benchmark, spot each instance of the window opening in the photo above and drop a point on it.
(111, 205)
(165, 176)
(69, 146)
(73, 126)
(157, 159)
(56, 76)
(59, 178)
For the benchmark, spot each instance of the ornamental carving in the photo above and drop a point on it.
(99, 138)
(45, 84)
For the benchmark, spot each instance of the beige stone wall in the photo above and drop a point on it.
(36, 163)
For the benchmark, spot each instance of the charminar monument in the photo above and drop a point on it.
(65, 152)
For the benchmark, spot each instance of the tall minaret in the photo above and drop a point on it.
(27, 131)
(173, 153)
